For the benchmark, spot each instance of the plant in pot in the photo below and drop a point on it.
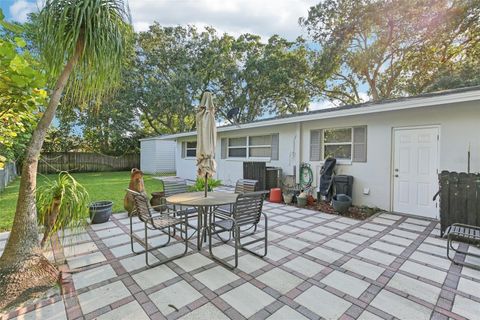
(341, 203)
(287, 197)
(200, 184)
(302, 199)
(62, 204)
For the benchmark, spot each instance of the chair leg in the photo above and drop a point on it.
(210, 248)
(265, 239)
(151, 265)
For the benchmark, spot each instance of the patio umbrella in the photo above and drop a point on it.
(206, 138)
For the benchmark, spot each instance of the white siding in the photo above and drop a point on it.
(458, 124)
(157, 156)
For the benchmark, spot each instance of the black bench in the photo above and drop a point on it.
(462, 233)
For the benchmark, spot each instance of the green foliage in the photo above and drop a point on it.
(174, 65)
(99, 29)
(391, 47)
(67, 196)
(21, 95)
(200, 184)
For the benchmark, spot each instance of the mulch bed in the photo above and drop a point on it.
(354, 212)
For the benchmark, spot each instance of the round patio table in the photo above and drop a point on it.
(204, 207)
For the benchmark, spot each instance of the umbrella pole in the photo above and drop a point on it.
(206, 184)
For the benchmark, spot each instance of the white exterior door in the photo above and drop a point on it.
(415, 171)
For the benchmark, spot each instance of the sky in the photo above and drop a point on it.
(262, 17)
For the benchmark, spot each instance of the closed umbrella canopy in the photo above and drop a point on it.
(206, 137)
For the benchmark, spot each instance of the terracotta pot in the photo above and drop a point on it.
(310, 200)
(158, 198)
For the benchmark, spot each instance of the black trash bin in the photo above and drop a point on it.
(343, 184)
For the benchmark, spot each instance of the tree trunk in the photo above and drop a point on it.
(50, 220)
(23, 268)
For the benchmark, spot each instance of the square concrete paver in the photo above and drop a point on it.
(397, 240)
(465, 307)
(80, 248)
(178, 294)
(431, 260)
(247, 299)
(192, 262)
(249, 263)
(470, 287)
(369, 316)
(340, 245)
(294, 244)
(216, 277)
(376, 256)
(352, 237)
(276, 253)
(346, 283)
(387, 247)
(137, 262)
(400, 307)
(151, 277)
(207, 311)
(363, 268)
(54, 311)
(103, 296)
(131, 310)
(424, 271)
(323, 303)
(415, 288)
(309, 236)
(86, 278)
(286, 313)
(85, 260)
(324, 254)
(304, 266)
(109, 232)
(280, 280)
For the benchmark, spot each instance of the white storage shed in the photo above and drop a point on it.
(157, 156)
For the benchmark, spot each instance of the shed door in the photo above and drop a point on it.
(415, 171)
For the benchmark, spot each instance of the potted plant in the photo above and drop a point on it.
(287, 197)
(100, 211)
(62, 204)
(341, 202)
(200, 184)
(302, 199)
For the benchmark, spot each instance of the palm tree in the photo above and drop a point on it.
(83, 44)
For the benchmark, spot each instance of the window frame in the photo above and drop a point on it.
(324, 144)
(187, 149)
(248, 146)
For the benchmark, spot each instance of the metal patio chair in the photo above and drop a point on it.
(462, 233)
(173, 187)
(242, 186)
(164, 222)
(247, 212)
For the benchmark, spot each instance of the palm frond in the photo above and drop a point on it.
(100, 29)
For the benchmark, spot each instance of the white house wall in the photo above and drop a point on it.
(459, 125)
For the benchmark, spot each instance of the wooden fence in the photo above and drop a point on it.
(459, 198)
(7, 175)
(86, 162)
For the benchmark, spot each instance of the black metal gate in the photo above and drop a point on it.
(459, 199)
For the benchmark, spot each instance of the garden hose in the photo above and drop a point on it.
(306, 176)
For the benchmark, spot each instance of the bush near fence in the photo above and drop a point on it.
(54, 162)
(7, 175)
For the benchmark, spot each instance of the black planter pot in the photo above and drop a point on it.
(341, 202)
(100, 211)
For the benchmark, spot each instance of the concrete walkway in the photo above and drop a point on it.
(318, 266)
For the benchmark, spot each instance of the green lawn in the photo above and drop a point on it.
(100, 186)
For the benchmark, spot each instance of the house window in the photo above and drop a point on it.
(260, 146)
(237, 147)
(191, 149)
(250, 147)
(337, 143)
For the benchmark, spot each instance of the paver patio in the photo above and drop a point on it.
(318, 266)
